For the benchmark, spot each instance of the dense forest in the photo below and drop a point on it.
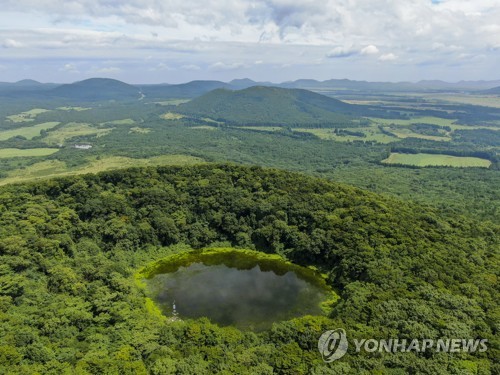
(70, 247)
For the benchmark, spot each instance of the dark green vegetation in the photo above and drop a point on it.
(95, 89)
(271, 106)
(70, 248)
(243, 288)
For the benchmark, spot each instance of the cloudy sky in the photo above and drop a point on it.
(153, 41)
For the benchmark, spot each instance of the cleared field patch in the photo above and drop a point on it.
(74, 129)
(372, 134)
(473, 127)
(481, 100)
(204, 127)
(126, 121)
(27, 116)
(212, 121)
(416, 120)
(403, 132)
(262, 128)
(17, 152)
(140, 130)
(56, 168)
(428, 160)
(78, 109)
(173, 102)
(28, 132)
(172, 116)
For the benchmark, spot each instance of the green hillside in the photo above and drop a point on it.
(270, 106)
(70, 248)
(95, 89)
(182, 91)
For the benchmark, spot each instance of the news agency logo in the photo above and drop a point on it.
(333, 345)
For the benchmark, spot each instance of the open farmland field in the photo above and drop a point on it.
(415, 120)
(372, 134)
(16, 152)
(173, 102)
(28, 132)
(74, 129)
(427, 160)
(403, 132)
(27, 116)
(56, 168)
(77, 109)
(480, 100)
(172, 116)
(126, 121)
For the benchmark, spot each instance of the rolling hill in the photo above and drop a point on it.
(95, 89)
(493, 91)
(270, 106)
(182, 91)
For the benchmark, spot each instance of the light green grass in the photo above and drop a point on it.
(473, 127)
(427, 160)
(28, 132)
(17, 152)
(27, 116)
(209, 120)
(416, 120)
(481, 100)
(204, 127)
(173, 102)
(262, 128)
(73, 129)
(372, 133)
(172, 116)
(78, 109)
(57, 168)
(140, 130)
(126, 121)
(403, 132)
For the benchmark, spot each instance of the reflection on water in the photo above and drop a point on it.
(228, 296)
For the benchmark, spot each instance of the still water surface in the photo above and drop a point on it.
(246, 298)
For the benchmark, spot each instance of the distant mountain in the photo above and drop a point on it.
(28, 83)
(493, 91)
(182, 91)
(239, 84)
(24, 88)
(95, 89)
(270, 106)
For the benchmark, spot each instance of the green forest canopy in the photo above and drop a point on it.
(70, 247)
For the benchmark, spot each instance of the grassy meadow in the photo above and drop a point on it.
(428, 160)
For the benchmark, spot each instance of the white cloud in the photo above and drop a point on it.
(341, 52)
(70, 68)
(388, 57)
(11, 43)
(190, 67)
(219, 65)
(160, 66)
(107, 70)
(370, 50)
(194, 34)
